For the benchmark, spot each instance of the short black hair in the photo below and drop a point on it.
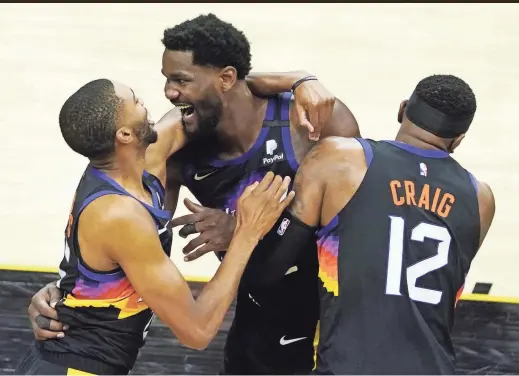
(448, 94)
(88, 119)
(213, 42)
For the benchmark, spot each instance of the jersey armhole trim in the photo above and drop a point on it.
(286, 138)
(96, 195)
(368, 150)
(474, 182)
(270, 114)
(161, 213)
(83, 268)
(285, 106)
(285, 131)
(156, 183)
(329, 227)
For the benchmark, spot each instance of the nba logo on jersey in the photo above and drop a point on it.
(283, 226)
(423, 169)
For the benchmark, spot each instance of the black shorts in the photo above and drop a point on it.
(38, 362)
(274, 326)
(260, 350)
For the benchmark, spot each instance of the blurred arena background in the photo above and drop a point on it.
(369, 55)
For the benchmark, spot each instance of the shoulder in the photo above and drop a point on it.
(334, 148)
(342, 122)
(115, 214)
(331, 156)
(485, 195)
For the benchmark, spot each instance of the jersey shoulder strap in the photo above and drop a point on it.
(153, 182)
(278, 111)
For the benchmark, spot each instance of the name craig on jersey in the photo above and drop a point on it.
(276, 158)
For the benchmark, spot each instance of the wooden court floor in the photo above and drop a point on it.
(486, 335)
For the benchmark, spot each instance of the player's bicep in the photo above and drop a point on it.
(342, 122)
(173, 184)
(136, 247)
(309, 188)
(170, 139)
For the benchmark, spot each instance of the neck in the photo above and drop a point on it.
(126, 168)
(415, 136)
(241, 121)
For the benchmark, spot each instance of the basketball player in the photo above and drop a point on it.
(236, 138)
(399, 225)
(116, 268)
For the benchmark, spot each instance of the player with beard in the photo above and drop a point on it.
(116, 267)
(236, 138)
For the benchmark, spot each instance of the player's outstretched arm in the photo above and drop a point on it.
(130, 239)
(271, 83)
(171, 138)
(315, 107)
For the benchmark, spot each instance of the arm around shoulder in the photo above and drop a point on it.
(170, 139)
(342, 122)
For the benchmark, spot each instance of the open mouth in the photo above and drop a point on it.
(186, 109)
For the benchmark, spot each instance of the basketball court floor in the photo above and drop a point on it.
(369, 55)
(486, 335)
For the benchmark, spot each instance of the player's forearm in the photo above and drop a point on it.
(265, 84)
(215, 299)
(171, 137)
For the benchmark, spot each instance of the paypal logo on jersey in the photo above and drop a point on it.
(270, 147)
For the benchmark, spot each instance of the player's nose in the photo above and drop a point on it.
(171, 93)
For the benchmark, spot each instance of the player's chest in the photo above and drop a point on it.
(220, 185)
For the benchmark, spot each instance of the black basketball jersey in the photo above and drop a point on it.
(393, 262)
(108, 319)
(289, 308)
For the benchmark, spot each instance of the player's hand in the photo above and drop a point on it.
(261, 204)
(43, 316)
(313, 98)
(216, 230)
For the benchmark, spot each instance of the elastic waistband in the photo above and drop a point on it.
(79, 362)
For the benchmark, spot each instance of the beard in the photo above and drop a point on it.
(146, 134)
(209, 113)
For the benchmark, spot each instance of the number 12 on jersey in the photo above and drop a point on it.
(396, 254)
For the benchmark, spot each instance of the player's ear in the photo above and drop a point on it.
(124, 135)
(401, 110)
(228, 77)
(455, 143)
